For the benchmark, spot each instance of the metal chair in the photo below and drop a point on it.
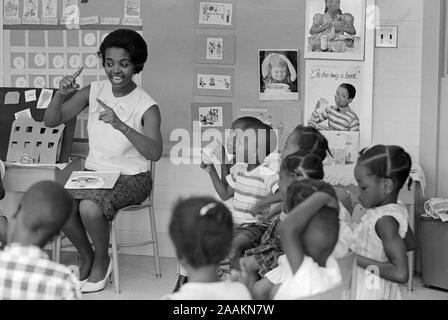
(149, 204)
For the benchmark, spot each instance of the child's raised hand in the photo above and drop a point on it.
(206, 167)
(68, 84)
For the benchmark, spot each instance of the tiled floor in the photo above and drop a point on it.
(138, 281)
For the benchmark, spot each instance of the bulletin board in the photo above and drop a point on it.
(7, 117)
(39, 52)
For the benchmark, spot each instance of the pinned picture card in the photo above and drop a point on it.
(216, 49)
(215, 14)
(213, 81)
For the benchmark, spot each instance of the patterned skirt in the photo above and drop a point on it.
(128, 190)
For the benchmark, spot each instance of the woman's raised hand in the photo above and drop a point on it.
(68, 84)
(108, 116)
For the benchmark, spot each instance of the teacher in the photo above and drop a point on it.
(124, 133)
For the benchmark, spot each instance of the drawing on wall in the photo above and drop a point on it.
(70, 9)
(335, 29)
(215, 48)
(215, 14)
(30, 9)
(49, 8)
(132, 8)
(11, 9)
(211, 116)
(214, 81)
(278, 74)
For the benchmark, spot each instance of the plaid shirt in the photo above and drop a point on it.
(269, 250)
(26, 273)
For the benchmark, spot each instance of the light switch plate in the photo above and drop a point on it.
(386, 36)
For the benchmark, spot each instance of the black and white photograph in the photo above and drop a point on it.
(278, 74)
(258, 151)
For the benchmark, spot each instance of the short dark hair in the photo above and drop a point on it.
(303, 162)
(350, 89)
(130, 41)
(201, 229)
(391, 162)
(312, 140)
(321, 234)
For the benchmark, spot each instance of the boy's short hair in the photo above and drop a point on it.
(350, 89)
(264, 134)
(320, 236)
(201, 229)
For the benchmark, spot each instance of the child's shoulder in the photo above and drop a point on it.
(396, 211)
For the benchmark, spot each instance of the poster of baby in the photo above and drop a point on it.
(335, 29)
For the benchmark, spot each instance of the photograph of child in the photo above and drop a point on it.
(278, 74)
(335, 29)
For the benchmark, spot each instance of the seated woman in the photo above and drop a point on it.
(124, 133)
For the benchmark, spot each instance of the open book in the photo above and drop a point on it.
(92, 180)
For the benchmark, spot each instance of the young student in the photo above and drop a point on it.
(3, 220)
(228, 160)
(340, 116)
(201, 230)
(379, 242)
(299, 165)
(303, 138)
(278, 74)
(250, 180)
(124, 134)
(308, 235)
(26, 273)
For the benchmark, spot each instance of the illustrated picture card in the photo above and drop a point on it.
(217, 115)
(132, 8)
(216, 49)
(334, 99)
(215, 14)
(49, 8)
(213, 81)
(278, 77)
(92, 180)
(335, 29)
(11, 9)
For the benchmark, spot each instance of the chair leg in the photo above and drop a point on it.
(155, 243)
(411, 271)
(115, 258)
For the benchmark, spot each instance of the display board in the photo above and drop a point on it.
(15, 102)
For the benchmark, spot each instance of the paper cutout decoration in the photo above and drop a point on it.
(23, 114)
(44, 98)
(29, 137)
(30, 95)
(12, 97)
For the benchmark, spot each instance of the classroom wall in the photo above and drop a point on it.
(169, 27)
(397, 77)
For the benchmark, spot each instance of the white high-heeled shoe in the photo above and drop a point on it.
(98, 286)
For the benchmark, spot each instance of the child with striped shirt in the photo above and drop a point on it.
(250, 180)
(340, 116)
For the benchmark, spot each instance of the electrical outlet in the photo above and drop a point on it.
(386, 36)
